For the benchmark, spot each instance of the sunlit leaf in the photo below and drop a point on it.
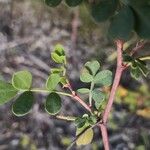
(53, 81)
(85, 138)
(59, 49)
(98, 97)
(144, 112)
(103, 78)
(93, 66)
(57, 58)
(85, 76)
(83, 90)
(7, 92)
(22, 80)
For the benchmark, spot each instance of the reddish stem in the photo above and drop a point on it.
(104, 136)
(116, 81)
(77, 98)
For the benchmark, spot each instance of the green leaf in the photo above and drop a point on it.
(142, 67)
(53, 103)
(73, 3)
(104, 78)
(23, 104)
(122, 24)
(142, 17)
(85, 138)
(93, 66)
(135, 73)
(57, 58)
(98, 97)
(7, 92)
(103, 10)
(80, 122)
(53, 81)
(83, 90)
(22, 80)
(53, 3)
(85, 76)
(64, 81)
(59, 49)
(92, 120)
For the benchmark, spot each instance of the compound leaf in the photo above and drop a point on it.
(93, 66)
(104, 78)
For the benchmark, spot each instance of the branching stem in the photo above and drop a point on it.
(116, 81)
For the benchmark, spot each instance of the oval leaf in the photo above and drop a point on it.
(53, 104)
(104, 78)
(53, 3)
(142, 17)
(83, 90)
(7, 92)
(22, 80)
(122, 24)
(59, 49)
(98, 97)
(73, 3)
(23, 104)
(85, 76)
(57, 58)
(103, 10)
(53, 81)
(85, 138)
(93, 66)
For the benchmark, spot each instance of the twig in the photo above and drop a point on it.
(77, 98)
(117, 78)
(116, 81)
(138, 46)
(87, 128)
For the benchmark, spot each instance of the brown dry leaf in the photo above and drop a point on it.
(144, 112)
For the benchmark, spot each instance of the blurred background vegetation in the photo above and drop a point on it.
(28, 32)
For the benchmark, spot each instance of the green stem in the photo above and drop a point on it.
(141, 58)
(47, 91)
(67, 118)
(145, 58)
(90, 93)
